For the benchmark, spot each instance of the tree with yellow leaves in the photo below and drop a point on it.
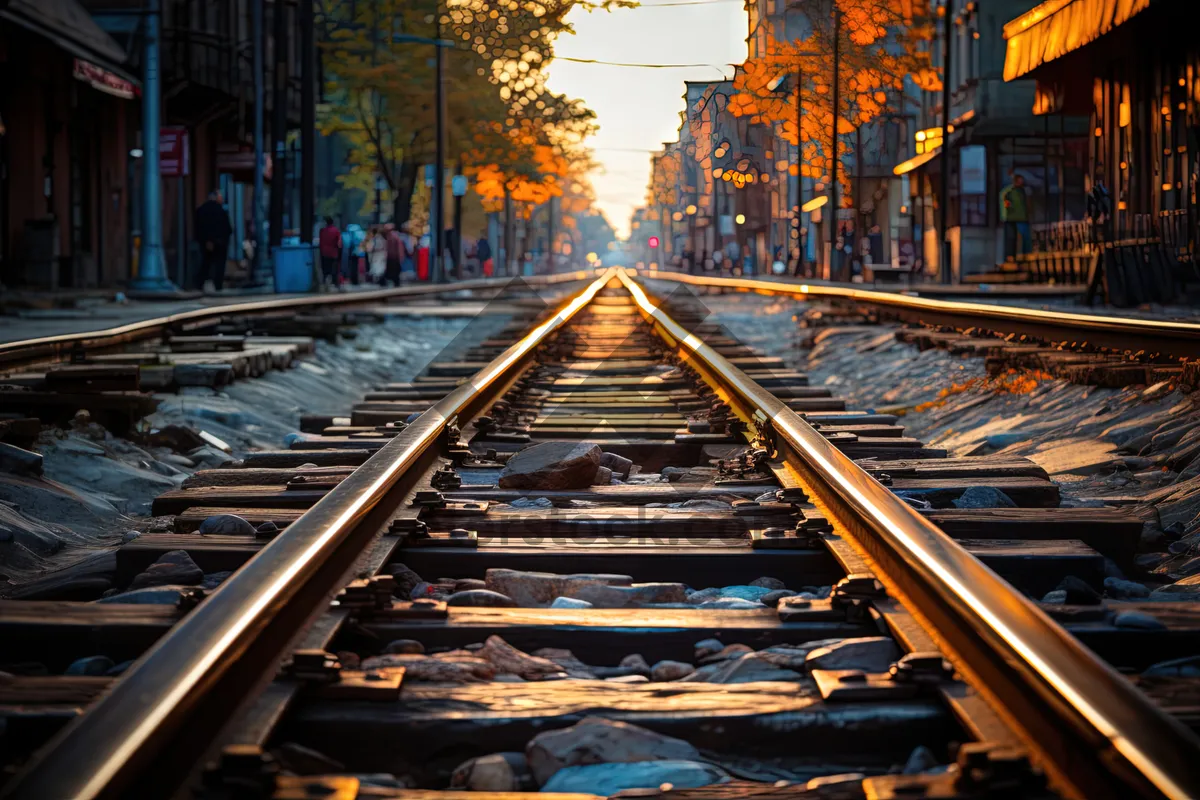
(880, 43)
(381, 87)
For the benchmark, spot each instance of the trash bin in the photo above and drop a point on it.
(294, 268)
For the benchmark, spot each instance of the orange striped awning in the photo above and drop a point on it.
(1056, 27)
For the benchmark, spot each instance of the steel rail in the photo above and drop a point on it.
(1121, 334)
(61, 345)
(142, 737)
(1093, 732)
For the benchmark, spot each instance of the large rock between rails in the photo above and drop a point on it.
(173, 568)
(750, 668)
(511, 661)
(540, 588)
(608, 779)
(498, 772)
(639, 594)
(552, 465)
(598, 741)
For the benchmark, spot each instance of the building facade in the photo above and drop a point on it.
(995, 135)
(67, 105)
(1142, 103)
(71, 135)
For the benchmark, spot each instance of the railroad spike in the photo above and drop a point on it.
(859, 586)
(313, 666)
(242, 771)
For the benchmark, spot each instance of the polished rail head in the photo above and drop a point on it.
(99, 754)
(1106, 712)
(1174, 339)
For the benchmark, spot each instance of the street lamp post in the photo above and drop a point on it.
(152, 267)
(279, 123)
(439, 176)
(833, 145)
(439, 164)
(797, 220)
(260, 161)
(944, 251)
(308, 121)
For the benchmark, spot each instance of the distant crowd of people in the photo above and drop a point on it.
(382, 254)
(391, 256)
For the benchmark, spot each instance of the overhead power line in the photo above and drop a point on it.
(686, 3)
(627, 149)
(719, 67)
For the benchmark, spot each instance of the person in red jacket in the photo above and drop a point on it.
(396, 253)
(329, 242)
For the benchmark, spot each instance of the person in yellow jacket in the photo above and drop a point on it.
(1014, 213)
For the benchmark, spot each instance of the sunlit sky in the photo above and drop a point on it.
(638, 109)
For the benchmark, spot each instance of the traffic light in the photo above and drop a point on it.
(653, 241)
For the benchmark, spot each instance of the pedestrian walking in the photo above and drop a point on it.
(329, 244)
(1099, 208)
(1014, 213)
(408, 264)
(353, 240)
(213, 230)
(395, 256)
(483, 252)
(376, 247)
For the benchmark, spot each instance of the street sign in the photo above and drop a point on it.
(429, 175)
(174, 159)
(458, 185)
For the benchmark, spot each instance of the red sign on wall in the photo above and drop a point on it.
(173, 152)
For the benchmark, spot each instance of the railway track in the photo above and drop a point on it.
(617, 536)
(1140, 340)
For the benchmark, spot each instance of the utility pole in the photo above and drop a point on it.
(944, 251)
(798, 219)
(859, 223)
(279, 121)
(692, 237)
(550, 235)
(439, 177)
(260, 161)
(510, 235)
(457, 245)
(308, 121)
(152, 266)
(833, 144)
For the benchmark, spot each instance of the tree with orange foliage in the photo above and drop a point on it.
(380, 88)
(881, 43)
(527, 157)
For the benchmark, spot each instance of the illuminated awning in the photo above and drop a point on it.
(1056, 27)
(908, 166)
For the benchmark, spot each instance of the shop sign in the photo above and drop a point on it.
(173, 152)
(103, 80)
